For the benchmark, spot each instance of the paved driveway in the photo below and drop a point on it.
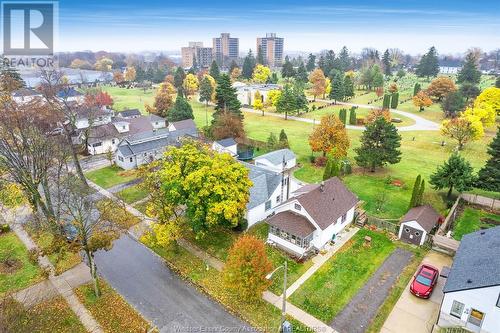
(412, 314)
(159, 294)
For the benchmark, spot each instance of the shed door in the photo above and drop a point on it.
(411, 235)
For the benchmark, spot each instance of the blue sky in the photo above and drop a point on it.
(413, 26)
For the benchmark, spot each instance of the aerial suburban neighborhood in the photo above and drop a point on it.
(262, 167)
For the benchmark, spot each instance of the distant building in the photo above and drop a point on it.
(225, 49)
(196, 52)
(272, 49)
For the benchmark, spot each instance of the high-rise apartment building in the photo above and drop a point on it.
(272, 49)
(196, 51)
(225, 49)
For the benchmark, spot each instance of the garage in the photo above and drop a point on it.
(417, 223)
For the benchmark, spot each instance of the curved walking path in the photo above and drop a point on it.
(421, 124)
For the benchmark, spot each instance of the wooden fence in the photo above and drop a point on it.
(389, 225)
(476, 199)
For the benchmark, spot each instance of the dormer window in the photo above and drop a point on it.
(123, 127)
(298, 207)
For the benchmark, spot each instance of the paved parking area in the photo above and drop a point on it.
(412, 314)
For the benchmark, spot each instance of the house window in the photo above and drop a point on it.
(131, 159)
(98, 144)
(278, 198)
(498, 301)
(457, 309)
(344, 217)
(268, 205)
(298, 207)
(123, 127)
(417, 233)
(120, 158)
(407, 230)
(285, 181)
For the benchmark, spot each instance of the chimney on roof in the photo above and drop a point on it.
(322, 186)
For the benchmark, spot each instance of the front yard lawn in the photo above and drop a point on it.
(326, 293)
(62, 260)
(110, 176)
(132, 194)
(16, 270)
(54, 316)
(473, 219)
(110, 310)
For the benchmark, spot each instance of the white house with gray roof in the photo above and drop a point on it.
(278, 160)
(472, 289)
(228, 145)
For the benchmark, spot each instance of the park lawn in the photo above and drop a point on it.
(26, 273)
(110, 310)
(471, 220)
(53, 316)
(218, 242)
(63, 260)
(133, 194)
(331, 287)
(258, 313)
(133, 98)
(110, 176)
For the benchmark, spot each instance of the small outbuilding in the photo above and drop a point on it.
(417, 224)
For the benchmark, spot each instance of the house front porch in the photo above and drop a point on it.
(291, 232)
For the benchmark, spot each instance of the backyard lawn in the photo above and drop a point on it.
(54, 316)
(16, 270)
(132, 194)
(122, 318)
(326, 293)
(110, 176)
(133, 98)
(473, 219)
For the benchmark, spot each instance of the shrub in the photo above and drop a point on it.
(4, 228)
(242, 225)
(320, 161)
(312, 159)
(33, 255)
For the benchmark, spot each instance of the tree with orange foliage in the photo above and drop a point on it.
(118, 77)
(330, 136)
(228, 125)
(169, 78)
(164, 99)
(379, 113)
(421, 100)
(393, 87)
(246, 268)
(98, 98)
(440, 87)
(318, 81)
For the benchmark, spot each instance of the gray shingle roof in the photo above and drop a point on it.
(276, 157)
(477, 262)
(264, 182)
(227, 142)
(24, 92)
(425, 215)
(292, 223)
(184, 124)
(129, 113)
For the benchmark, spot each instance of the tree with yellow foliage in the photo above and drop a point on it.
(235, 74)
(463, 129)
(272, 97)
(490, 96)
(421, 100)
(261, 73)
(190, 85)
(257, 102)
(483, 112)
(330, 136)
(328, 89)
(318, 81)
(164, 99)
(104, 64)
(130, 74)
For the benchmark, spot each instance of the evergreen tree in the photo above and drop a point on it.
(420, 194)
(248, 65)
(453, 103)
(429, 64)
(179, 77)
(456, 173)
(415, 192)
(332, 167)
(394, 100)
(150, 74)
(321, 63)
(180, 111)
(380, 144)
(272, 142)
(386, 62)
(287, 70)
(301, 75)
(233, 66)
(343, 115)
(386, 101)
(311, 62)
(489, 175)
(283, 140)
(348, 86)
(206, 90)
(329, 63)
(469, 90)
(344, 60)
(10, 79)
(226, 97)
(352, 116)
(260, 56)
(214, 70)
(377, 78)
(469, 72)
(416, 88)
(337, 92)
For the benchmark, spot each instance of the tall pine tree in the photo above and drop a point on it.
(180, 111)
(311, 62)
(386, 62)
(489, 175)
(248, 65)
(469, 72)
(226, 98)
(337, 92)
(214, 70)
(429, 64)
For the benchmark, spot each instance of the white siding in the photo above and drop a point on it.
(481, 299)
(259, 212)
(326, 235)
(104, 147)
(292, 247)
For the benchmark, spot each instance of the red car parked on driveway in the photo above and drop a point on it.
(424, 281)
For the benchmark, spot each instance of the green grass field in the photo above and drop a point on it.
(132, 194)
(23, 273)
(328, 290)
(110, 176)
(133, 98)
(472, 220)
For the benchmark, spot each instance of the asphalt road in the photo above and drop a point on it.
(145, 281)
